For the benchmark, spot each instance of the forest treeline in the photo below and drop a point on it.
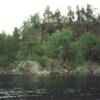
(73, 39)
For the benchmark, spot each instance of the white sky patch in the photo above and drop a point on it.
(14, 12)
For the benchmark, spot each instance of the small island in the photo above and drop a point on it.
(53, 56)
(55, 44)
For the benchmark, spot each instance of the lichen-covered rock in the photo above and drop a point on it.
(87, 69)
(81, 71)
(35, 68)
(54, 66)
(97, 71)
(28, 67)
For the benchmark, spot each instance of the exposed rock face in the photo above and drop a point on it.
(29, 68)
(54, 66)
(97, 71)
(35, 68)
(81, 71)
(88, 69)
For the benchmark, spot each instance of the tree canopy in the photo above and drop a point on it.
(73, 38)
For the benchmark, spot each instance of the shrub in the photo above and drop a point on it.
(40, 59)
(90, 47)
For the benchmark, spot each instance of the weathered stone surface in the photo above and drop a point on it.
(87, 69)
(54, 66)
(51, 67)
(35, 68)
(28, 67)
(81, 71)
(97, 71)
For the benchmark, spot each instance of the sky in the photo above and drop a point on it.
(14, 12)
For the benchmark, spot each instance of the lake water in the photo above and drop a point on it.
(49, 88)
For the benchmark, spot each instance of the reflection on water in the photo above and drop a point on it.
(49, 88)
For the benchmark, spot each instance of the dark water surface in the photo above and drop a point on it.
(49, 88)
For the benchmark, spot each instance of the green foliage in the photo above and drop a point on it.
(7, 53)
(90, 45)
(77, 51)
(40, 59)
(41, 38)
(3, 59)
(59, 45)
(21, 56)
